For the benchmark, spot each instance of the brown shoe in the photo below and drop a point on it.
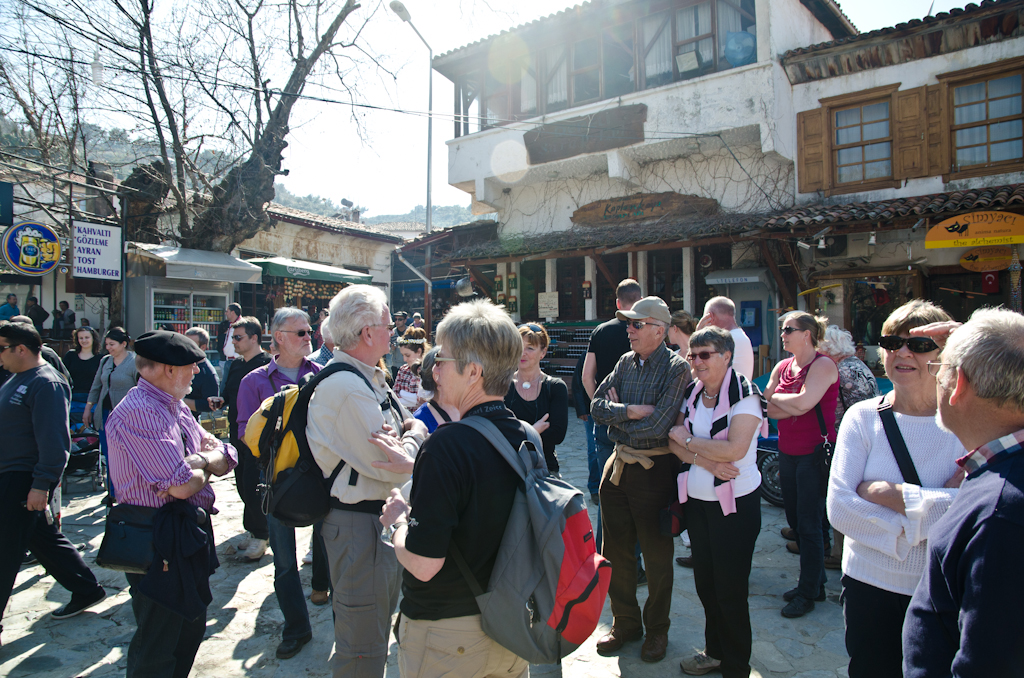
(320, 597)
(833, 563)
(654, 648)
(685, 561)
(788, 533)
(616, 638)
(793, 547)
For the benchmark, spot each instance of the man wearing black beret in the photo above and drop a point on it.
(158, 454)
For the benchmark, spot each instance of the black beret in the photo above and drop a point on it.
(169, 348)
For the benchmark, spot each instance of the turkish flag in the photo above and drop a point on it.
(990, 282)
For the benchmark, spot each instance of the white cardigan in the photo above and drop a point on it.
(883, 548)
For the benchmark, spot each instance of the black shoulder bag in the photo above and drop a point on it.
(825, 449)
(896, 442)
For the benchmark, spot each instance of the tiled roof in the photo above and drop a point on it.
(275, 211)
(995, 197)
(914, 23)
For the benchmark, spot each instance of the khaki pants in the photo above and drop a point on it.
(455, 648)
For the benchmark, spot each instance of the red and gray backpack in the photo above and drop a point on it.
(549, 584)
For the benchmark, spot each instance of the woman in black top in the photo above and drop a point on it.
(82, 362)
(537, 398)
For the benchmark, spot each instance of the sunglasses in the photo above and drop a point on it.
(639, 324)
(790, 330)
(4, 348)
(299, 333)
(240, 337)
(915, 344)
(533, 328)
(703, 355)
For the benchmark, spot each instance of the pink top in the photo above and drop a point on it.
(800, 435)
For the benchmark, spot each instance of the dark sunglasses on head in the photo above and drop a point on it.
(791, 330)
(915, 344)
(532, 327)
(703, 355)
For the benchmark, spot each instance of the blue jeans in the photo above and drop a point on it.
(603, 449)
(805, 505)
(593, 468)
(287, 585)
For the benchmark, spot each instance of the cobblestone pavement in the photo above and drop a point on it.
(244, 623)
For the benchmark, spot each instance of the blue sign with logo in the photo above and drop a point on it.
(31, 248)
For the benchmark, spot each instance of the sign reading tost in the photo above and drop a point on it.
(31, 248)
(977, 229)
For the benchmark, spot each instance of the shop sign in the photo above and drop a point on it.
(982, 259)
(641, 206)
(977, 229)
(297, 272)
(97, 251)
(31, 248)
(547, 304)
(601, 131)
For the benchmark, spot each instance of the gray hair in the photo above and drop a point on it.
(989, 348)
(325, 333)
(352, 309)
(427, 370)
(198, 335)
(837, 342)
(283, 315)
(482, 333)
(715, 337)
(721, 306)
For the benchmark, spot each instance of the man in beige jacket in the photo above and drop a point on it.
(346, 410)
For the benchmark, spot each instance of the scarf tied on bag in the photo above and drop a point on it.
(739, 387)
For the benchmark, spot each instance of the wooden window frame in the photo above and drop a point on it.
(952, 80)
(573, 71)
(836, 147)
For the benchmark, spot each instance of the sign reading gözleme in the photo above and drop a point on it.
(97, 251)
(31, 248)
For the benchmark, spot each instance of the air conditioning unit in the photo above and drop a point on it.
(851, 246)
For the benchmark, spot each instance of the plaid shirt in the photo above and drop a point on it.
(406, 381)
(660, 381)
(992, 452)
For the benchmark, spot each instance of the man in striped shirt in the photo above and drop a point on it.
(159, 453)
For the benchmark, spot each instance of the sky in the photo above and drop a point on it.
(384, 169)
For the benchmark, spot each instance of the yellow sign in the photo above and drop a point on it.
(984, 259)
(977, 229)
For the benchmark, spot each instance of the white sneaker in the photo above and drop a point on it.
(699, 664)
(308, 558)
(255, 550)
(685, 536)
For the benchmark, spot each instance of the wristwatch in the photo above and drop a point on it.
(394, 528)
(687, 443)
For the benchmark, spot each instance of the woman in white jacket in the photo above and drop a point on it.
(875, 500)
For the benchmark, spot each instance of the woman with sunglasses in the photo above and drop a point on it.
(433, 412)
(885, 515)
(715, 436)
(537, 398)
(802, 394)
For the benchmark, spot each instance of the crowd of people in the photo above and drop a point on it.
(922, 486)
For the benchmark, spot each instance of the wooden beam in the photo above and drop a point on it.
(787, 294)
(603, 267)
(550, 254)
(801, 281)
(481, 279)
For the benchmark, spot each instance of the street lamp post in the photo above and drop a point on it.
(398, 8)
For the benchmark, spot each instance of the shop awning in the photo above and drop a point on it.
(307, 270)
(738, 276)
(201, 265)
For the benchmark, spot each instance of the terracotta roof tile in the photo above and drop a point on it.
(993, 197)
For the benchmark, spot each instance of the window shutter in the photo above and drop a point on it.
(812, 154)
(937, 131)
(910, 152)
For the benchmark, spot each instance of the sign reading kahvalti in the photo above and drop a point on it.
(601, 131)
(642, 206)
(977, 229)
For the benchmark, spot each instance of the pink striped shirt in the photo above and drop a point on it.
(144, 441)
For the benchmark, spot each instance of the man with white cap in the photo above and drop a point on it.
(639, 402)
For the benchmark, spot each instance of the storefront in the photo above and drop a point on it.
(303, 284)
(174, 288)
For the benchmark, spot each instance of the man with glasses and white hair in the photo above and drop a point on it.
(346, 412)
(964, 618)
(639, 402)
(291, 331)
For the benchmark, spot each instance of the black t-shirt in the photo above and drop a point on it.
(238, 368)
(82, 371)
(608, 343)
(462, 491)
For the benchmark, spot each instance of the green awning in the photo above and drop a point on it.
(307, 270)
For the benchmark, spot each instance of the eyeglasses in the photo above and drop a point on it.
(240, 337)
(4, 348)
(439, 359)
(703, 355)
(934, 367)
(298, 333)
(915, 344)
(390, 326)
(790, 330)
(639, 324)
(532, 327)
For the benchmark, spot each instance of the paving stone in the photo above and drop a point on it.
(769, 655)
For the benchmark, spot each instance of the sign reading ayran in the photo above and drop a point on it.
(977, 229)
(97, 251)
